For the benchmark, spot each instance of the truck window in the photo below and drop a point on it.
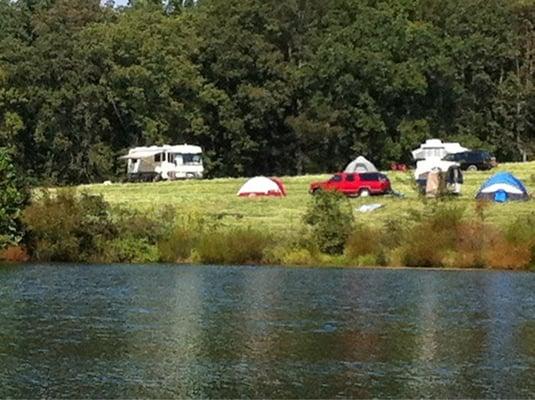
(336, 178)
(350, 178)
(369, 176)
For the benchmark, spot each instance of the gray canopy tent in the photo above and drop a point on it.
(360, 164)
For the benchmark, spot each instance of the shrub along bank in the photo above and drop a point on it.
(13, 197)
(85, 228)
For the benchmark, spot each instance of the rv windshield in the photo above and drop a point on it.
(191, 159)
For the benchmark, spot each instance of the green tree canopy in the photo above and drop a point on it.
(265, 87)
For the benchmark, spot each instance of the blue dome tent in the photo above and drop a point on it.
(502, 187)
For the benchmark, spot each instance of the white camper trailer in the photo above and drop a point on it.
(429, 161)
(164, 162)
(435, 148)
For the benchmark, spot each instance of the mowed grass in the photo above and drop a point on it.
(216, 198)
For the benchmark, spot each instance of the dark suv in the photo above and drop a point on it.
(473, 160)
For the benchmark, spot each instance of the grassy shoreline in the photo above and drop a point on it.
(205, 222)
(291, 266)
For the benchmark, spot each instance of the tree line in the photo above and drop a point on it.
(264, 86)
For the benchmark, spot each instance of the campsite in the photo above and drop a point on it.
(217, 198)
(278, 222)
(356, 218)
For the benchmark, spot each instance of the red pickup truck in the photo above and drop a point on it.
(355, 184)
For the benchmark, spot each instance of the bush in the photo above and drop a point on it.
(444, 217)
(13, 196)
(481, 208)
(330, 218)
(178, 246)
(425, 247)
(444, 238)
(503, 254)
(128, 250)
(291, 254)
(429, 241)
(15, 254)
(394, 231)
(472, 238)
(152, 226)
(522, 230)
(237, 246)
(295, 248)
(298, 256)
(364, 241)
(369, 260)
(67, 228)
(521, 233)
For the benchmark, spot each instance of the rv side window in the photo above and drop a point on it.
(170, 157)
(157, 157)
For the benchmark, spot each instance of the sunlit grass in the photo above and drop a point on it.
(217, 198)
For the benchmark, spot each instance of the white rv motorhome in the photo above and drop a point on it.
(164, 162)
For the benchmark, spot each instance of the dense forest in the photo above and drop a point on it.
(264, 86)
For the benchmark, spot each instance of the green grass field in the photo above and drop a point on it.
(217, 198)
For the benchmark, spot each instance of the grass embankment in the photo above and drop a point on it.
(205, 222)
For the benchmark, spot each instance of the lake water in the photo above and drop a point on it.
(191, 331)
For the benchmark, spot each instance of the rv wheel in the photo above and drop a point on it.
(472, 168)
(157, 178)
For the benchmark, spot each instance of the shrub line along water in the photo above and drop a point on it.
(68, 227)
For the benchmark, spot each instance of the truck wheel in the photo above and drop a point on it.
(364, 193)
(316, 191)
(472, 168)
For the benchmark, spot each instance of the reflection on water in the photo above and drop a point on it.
(167, 331)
